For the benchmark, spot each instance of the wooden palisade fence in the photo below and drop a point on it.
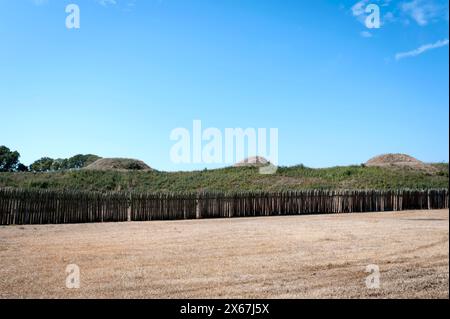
(18, 207)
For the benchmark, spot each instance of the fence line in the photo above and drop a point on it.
(18, 207)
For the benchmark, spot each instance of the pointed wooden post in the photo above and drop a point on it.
(198, 210)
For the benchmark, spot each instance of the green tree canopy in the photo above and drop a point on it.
(9, 160)
(80, 161)
(47, 164)
(42, 165)
(22, 168)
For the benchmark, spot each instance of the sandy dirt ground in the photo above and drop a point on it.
(320, 256)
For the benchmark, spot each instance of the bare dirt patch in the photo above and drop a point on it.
(254, 161)
(118, 164)
(320, 256)
(400, 161)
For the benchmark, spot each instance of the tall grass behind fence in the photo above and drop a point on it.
(19, 207)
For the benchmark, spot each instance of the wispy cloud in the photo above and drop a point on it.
(106, 3)
(359, 8)
(421, 11)
(365, 34)
(130, 5)
(39, 2)
(422, 49)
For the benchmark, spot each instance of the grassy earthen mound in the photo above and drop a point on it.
(118, 164)
(254, 161)
(399, 161)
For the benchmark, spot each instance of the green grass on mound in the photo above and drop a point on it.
(234, 179)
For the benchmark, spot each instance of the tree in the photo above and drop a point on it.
(22, 168)
(58, 164)
(8, 160)
(47, 164)
(80, 161)
(42, 165)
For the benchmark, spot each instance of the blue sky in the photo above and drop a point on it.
(339, 93)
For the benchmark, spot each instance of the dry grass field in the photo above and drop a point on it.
(321, 256)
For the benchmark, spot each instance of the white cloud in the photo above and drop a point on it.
(40, 2)
(389, 17)
(422, 11)
(359, 8)
(130, 5)
(365, 34)
(106, 3)
(422, 49)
